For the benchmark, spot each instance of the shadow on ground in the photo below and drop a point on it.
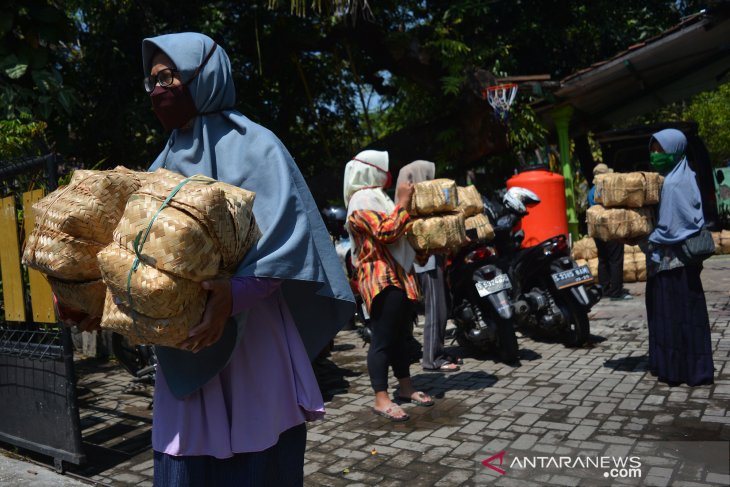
(629, 364)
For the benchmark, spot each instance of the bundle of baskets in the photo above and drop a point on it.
(585, 252)
(443, 213)
(624, 209)
(165, 235)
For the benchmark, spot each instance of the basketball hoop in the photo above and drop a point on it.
(500, 97)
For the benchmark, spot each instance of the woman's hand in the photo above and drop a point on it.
(71, 317)
(216, 314)
(404, 193)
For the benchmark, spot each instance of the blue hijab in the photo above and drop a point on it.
(680, 205)
(294, 246)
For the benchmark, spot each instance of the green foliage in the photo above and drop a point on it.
(326, 85)
(526, 131)
(20, 137)
(35, 35)
(711, 110)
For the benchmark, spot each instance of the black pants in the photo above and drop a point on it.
(611, 267)
(390, 317)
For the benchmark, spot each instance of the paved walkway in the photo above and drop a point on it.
(584, 405)
(597, 401)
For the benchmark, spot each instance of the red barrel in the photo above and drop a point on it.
(549, 217)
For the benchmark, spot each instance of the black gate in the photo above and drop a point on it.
(38, 408)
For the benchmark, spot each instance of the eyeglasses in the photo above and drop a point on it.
(164, 77)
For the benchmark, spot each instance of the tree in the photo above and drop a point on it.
(405, 76)
(35, 37)
(711, 110)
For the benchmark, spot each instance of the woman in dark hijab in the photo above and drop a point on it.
(231, 409)
(680, 350)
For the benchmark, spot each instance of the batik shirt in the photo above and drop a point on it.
(376, 268)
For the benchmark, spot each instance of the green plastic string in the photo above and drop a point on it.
(138, 244)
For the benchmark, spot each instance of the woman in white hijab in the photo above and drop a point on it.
(431, 278)
(383, 259)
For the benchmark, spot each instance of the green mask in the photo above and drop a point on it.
(663, 162)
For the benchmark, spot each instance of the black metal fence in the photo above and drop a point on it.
(38, 407)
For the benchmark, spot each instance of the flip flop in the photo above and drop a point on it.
(447, 367)
(388, 413)
(419, 400)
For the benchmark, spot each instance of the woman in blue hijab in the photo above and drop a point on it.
(230, 410)
(680, 350)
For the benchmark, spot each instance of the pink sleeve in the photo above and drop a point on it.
(247, 291)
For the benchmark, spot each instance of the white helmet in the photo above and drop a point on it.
(517, 199)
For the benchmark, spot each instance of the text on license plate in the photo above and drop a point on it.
(572, 277)
(499, 283)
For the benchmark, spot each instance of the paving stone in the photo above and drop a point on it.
(597, 400)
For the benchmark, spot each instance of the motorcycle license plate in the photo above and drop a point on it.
(572, 277)
(499, 283)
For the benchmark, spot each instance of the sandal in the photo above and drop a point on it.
(455, 360)
(388, 413)
(418, 398)
(447, 367)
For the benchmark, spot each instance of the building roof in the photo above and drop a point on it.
(691, 57)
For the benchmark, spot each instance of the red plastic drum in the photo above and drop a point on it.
(549, 217)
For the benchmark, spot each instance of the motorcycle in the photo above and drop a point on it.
(139, 360)
(481, 307)
(551, 293)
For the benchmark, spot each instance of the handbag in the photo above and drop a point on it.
(699, 246)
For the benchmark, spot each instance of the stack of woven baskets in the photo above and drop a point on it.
(625, 205)
(722, 241)
(437, 225)
(585, 253)
(472, 207)
(169, 234)
(72, 224)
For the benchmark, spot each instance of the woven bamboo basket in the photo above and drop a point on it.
(629, 274)
(593, 267)
(62, 256)
(434, 197)
(470, 201)
(143, 329)
(633, 190)
(619, 223)
(177, 242)
(585, 248)
(76, 221)
(640, 263)
(154, 293)
(481, 223)
(437, 233)
(85, 296)
(722, 244)
(202, 232)
(652, 187)
(211, 217)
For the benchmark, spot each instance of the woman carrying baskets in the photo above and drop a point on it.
(433, 286)
(231, 405)
(383, 259)
(680, 350)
